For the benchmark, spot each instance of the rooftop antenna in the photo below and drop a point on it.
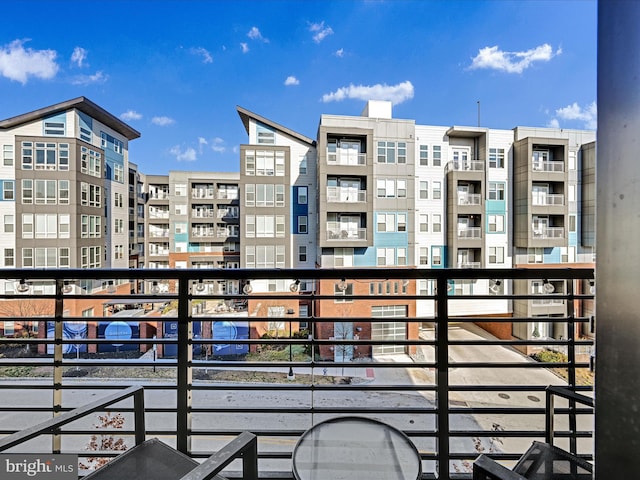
(478, 113)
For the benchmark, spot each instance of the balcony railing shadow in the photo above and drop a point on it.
(454, 369)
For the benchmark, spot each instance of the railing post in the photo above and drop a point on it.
(571, 356)
(184, 373)
(442, 376)
(56, 440)
(549, 418)
(138, 412)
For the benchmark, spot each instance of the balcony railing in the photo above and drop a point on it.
(469, 264)
(373, 346)
(340, 194)
(201, 193)
(548, 166)
(470, 232)
(469, 199)
(548, 232)
(547, 199)
(336, 232)
(466, 166)
(338, 158)
(203, 213)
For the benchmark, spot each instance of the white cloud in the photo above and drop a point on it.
(291, 80)
(340, 53)
(201, 142)
(78, 56)
(254, 34)
(19, 63)
(244, 46)
(395, 93)
(187, 155)
(130, 115)
(217, 145)
(320, 31)
(512, 62)
(587, 115)
(97, 77)
(553, 123)
(203, 52)
(162, 121)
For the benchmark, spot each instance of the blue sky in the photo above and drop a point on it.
(175, 70)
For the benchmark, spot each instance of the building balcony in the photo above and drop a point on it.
(469, 199)
(203, 232)
(200, 193)
(547, 166)
(210, 213)
(465, 166)
(470, 232)
(346, 158)
(469, 264)
(214, 373)
(347, 195)
(547, 232)
(337, 232)
(548, 199)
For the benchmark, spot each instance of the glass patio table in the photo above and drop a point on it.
(355, 448)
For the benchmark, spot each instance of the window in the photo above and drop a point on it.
(265, 134)
(436, 256)
(54, 128)
(424, 190)
(535, 255)
(302, 169)
(280, 163)
(402, 188)
(496, 254)
(180, 189)
(46, 191)
(64, 225)
(402, 222)
(386, 256)
(496, 223)
(8, 187)
(45, 156)
(424, 256)
(250, 162)
(90, 226)
(250, 195)
(46, 225)
(348, 291)
(117, 146)
(302, 224)
(90, 195)
(496, 191)
(496, 158)
(424, 155)
(27, 225)
(91, 257)
(85, 134)
(7, 155)
(27, 155)
(118, 225)
(279, 195)
(9, 257)
(437, 190)
(103, 140)
(90, 162)
(63, 156)
(392, 152)
(401, 257)
(118, 252)
(250, 226)
(180, 209)
(437, 156)
(265, 163)
(27, 257)
(302, 195)
(118, 173)
(343, 257)
(63, 192)
(424, 223)
(302, 253)
(63, 257)
(386, 222)
(437, 223)
(117, 200)
(8, 224)
(572, 223)
(265, 195)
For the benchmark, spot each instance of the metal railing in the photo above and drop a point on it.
(469, 199)
(370, 345)
(470, 232)
(547, 199)
(547, 166)
(344, 194)
(548, 232)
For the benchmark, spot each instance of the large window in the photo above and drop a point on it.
(118, 173)
(496, 255)
(535, 255)
(343, 257)
(90, 195)
(7, 155)
(46, 191)
(90, 162)
(392, 152)
(496, 191)
(496, 158)
(496, 223)
(265, 256)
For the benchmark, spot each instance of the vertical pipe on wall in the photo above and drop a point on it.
(618, 231)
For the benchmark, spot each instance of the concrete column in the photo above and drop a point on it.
(618, 241)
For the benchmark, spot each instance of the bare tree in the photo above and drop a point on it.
(25, 312)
